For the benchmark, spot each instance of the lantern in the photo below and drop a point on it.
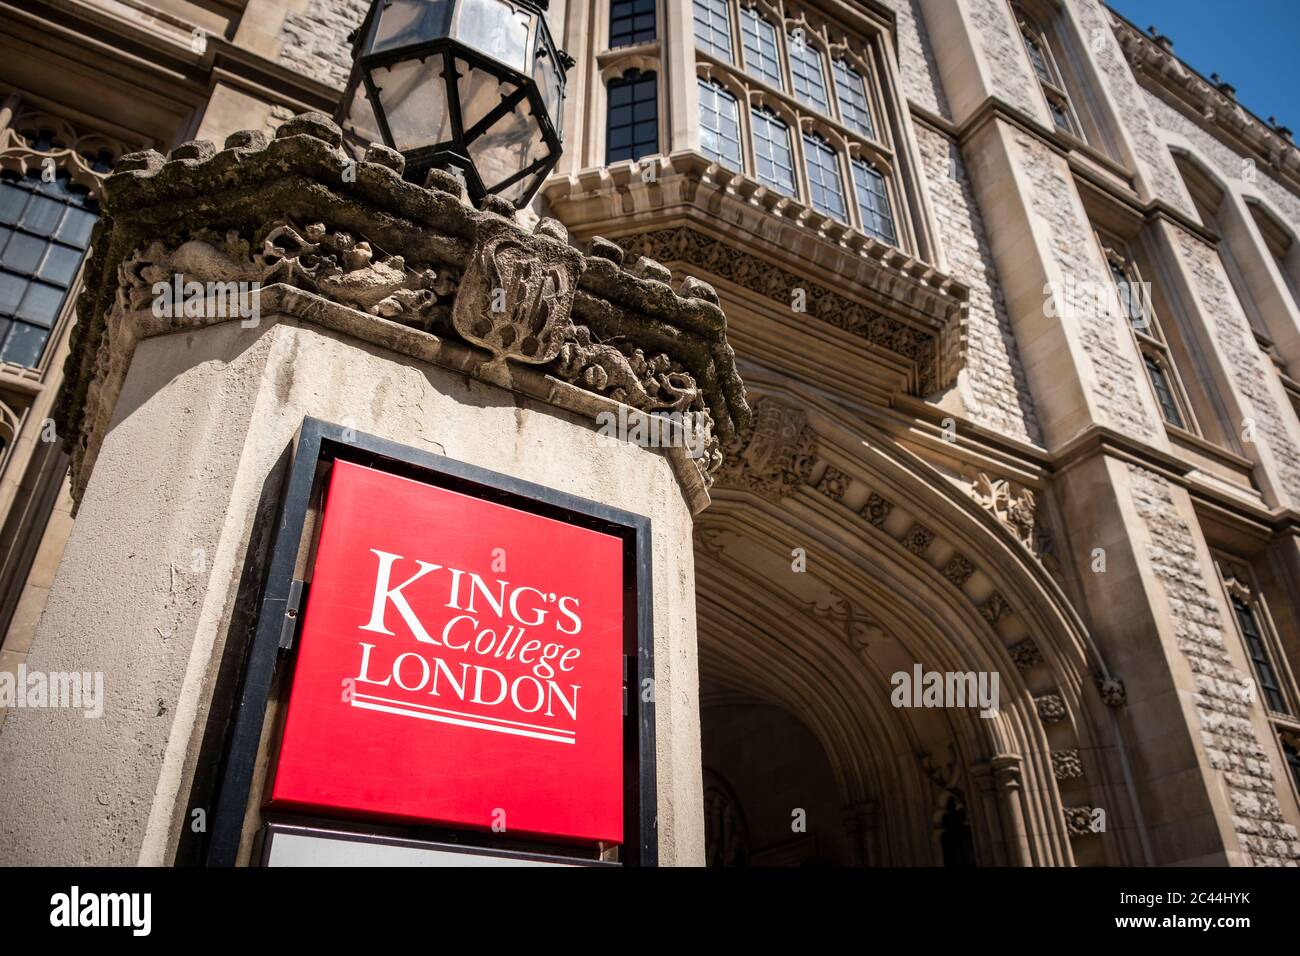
(472, 86)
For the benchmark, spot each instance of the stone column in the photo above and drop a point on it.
(373, 311)
(862, 828)
(1007, 784)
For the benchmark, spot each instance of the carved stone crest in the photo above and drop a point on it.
(775, 455)
(516, 293)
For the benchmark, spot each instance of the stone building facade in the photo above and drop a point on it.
(1015, 294)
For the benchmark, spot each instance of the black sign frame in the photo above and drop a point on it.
(280, 614)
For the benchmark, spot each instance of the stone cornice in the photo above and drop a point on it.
(298, 211)
(696, 210)
(1214, 109)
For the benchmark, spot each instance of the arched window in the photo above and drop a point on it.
(762, 56)
(773, 154)
(45, 228)
(720, 126)
(808, 72)
(1049, 76)
(713, 28)
(631, 22)
(633, 127)
(1136, 306)
(825, 191)
(873, 202)
(851, 92)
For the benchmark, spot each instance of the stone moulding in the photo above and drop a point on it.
(736, 230)
(297, 211)
(933, 354)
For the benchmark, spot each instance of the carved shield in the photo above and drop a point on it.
(516, 294)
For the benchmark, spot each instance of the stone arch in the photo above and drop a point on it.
(905, 567)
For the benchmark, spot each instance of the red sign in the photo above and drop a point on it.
(460, 663)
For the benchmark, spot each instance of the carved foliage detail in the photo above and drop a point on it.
(958, 569)
(313, 257)
(1016, 507)
(1066, 764)
(1051, 708)
(1026, 654)
(877, 509)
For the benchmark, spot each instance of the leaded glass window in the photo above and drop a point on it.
(44, 231)
(720, 125)
(773, 153)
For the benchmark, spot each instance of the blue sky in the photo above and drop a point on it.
(1252, 44)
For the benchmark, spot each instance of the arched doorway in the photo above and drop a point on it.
(770, 795)
(831, 561)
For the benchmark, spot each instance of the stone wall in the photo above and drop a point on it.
(916, 64)
(1222, 157)
(1222, 697)
(1073, 250)
(993, 384)
(1248, 366)
(1156, 165)
(316, 42)
(1004, 53)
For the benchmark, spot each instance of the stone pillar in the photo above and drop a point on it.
(373, 311)
(1007, 784)
(862, 829)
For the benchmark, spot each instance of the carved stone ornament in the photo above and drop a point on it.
(1051, 708)
(1078, 820)
(833, 483)
(434, 274)
(312, 257)
(958, 570)
(775, 454)
(877, 509)
(1112, 691)
(516, 294)
(1025, 654)
(1066, 764)
(995, 608)
(858, 628)
(1016, 507)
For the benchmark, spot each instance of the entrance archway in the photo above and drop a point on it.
(831, 560)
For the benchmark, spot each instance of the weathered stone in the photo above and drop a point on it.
(247, 139)
(445, 181)
(146, 161)
(692, 288)
(199, 149)
(647, 268)
(498, 206)
(312, 124)
(381, 155)
(604, 249)
(207, 218)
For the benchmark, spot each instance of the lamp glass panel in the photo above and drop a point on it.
(546, 74)
(522, 188)
(413, 96)
(512, 143)
(408, 22)
(480, 93)
(361, 117)
(497, 29)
